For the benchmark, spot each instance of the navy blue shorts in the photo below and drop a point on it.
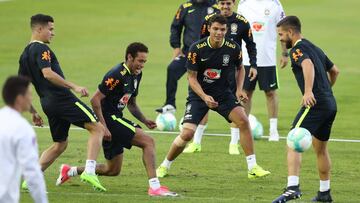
(122, 133)
(61, 113)
(318, 121)
(266, 77)
(196, 109)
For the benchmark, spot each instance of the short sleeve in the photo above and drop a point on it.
(192, 58)
(238, 56)
(298, 56)
(328, 63)
(43, 56)
(109, 83)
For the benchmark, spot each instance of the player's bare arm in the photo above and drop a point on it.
(136, 112)
(58, 80)
(309, 75)
(195, 86)
(333, 74)
(96, 106)
(284, 56)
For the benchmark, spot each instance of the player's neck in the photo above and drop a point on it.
(35, 38)
(296, 39)
(214, 44)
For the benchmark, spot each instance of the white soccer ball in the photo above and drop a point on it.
(180, 124)
(299, 139)
(257, 129)
(166, 122)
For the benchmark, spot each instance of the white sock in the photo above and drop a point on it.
(166, 163)
(235, 135)
(199, 133)
(251, 161)
(73, 171)
(293, 181)
(324, 185)
(154, 183)
(273, 124)
(90, 167)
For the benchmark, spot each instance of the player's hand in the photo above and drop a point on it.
(283, 61)
(150, 124)
(107, 134)
(177, 53)
(210, 102)
(308, 99)
(37, 120)
(241, 96)
(82, 91)
(252, 73)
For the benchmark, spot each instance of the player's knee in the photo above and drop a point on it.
(149, 142)
(113, 172)
(270, 94)
(180, 142)
(60, 147)
(97, 129)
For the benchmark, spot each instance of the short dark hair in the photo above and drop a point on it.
(134, 48)
(290, 22)
(14, 86)
(217, 18)
(225, 0)
(40, 19)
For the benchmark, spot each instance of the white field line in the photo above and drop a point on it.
(209, 134)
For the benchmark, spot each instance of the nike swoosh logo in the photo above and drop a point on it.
(272, 85)
(126, 84)
(204, 59)
(192, 10)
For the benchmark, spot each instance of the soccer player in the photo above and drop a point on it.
(117, 90)
(186, 25)
(60, 105)
(263, 16)
(18, 145)
(315, 75)
(239, 30)
(209, 63)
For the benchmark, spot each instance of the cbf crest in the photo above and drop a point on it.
(226, 59)
(210, 10)
(234, 28)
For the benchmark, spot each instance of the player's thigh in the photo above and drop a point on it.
(195, 110)
(141, 139)
(249, 85)
(317, 121)
(122, 132)
(228, 104)
(267, 78)
(59, 129)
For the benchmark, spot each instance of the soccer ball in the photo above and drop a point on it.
(257, 129)
(180, 124)
(299, 139)
(166, 122)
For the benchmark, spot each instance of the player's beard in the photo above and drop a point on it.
(288, 44)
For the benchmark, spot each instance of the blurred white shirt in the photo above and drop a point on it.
(263, 15)
(19, 156)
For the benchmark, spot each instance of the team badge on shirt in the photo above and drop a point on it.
(234, 28)
(297, 54)
(210, 10)
(226, 59)
(46, 56)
